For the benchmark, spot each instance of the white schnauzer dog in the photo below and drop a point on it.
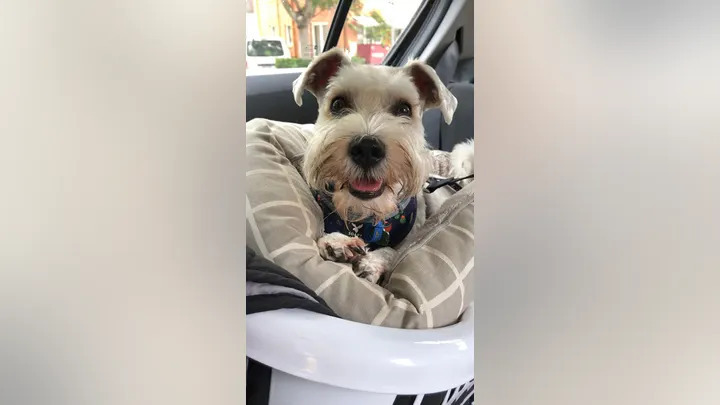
(367, 160)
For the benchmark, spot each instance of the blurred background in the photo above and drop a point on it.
(121, 170)
(287, 34)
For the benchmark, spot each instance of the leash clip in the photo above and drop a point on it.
(435, 183)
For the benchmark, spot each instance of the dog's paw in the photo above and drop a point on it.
(370, 267)
(341, 248)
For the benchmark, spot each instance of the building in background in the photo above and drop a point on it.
(321, 24)
(252, 28)
(369, 30)
(268, 18)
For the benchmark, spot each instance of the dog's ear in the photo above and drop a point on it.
(432, 91)
(318, 74)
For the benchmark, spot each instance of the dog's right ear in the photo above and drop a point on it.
(318, 74)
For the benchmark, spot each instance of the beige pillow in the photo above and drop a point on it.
(430, 283)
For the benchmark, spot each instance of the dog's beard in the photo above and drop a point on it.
(402, 172)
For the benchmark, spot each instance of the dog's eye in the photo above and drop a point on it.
(402, 109)
(338, 106)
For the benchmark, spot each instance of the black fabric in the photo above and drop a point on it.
(257, 383)
(462, 395)
(467, 398)
(262, 271)
(442, 398)
(405, 400)
(434, 399)
(271, 302)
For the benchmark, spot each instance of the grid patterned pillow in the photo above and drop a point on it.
(430, 283)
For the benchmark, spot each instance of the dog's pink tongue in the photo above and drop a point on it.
(366, 185)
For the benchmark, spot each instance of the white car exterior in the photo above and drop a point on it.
(262, 52)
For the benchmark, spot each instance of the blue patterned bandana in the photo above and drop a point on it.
(387, 233)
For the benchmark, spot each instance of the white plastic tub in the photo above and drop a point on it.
(318, 360)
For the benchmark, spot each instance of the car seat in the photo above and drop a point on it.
(315, 359)
(308, 358)
(457, 76)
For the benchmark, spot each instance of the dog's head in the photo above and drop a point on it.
(369, 141)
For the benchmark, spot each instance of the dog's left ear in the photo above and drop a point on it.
(318, 74)
(432, 91)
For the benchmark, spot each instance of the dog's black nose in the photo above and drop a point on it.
(367, 151)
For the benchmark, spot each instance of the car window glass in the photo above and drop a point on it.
(294, 31)
(264, 48)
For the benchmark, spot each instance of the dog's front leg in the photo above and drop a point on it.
(372, 266)
(341, 248)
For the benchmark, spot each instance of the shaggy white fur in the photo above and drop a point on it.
(462, 160)
(387, 104)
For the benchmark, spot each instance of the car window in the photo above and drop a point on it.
(264, 48)
(371, 29)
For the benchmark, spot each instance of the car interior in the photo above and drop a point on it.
(295, 357)
(440, 34)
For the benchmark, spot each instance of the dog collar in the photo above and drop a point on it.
(388, 232)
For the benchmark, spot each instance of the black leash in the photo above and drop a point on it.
(435, 183)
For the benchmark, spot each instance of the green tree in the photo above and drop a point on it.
(381, 33)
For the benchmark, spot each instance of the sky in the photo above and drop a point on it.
(397, 13)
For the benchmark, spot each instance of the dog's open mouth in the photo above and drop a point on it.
(366, 189)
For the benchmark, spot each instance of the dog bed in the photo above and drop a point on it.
(430, 281)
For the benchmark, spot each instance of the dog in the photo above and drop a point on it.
(367, 159)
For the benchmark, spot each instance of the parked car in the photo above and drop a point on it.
(262, 52)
